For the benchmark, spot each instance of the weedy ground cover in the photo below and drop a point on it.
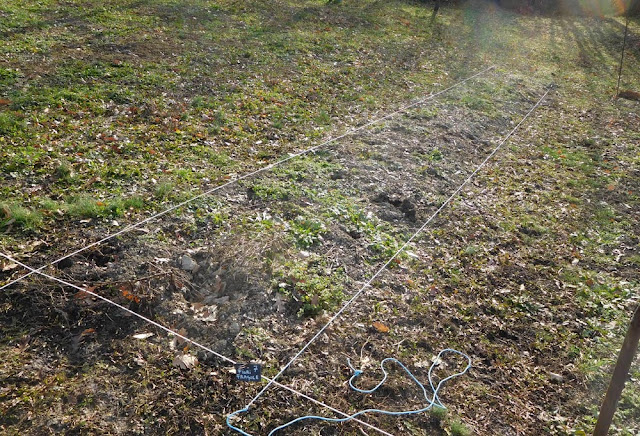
(111, 111)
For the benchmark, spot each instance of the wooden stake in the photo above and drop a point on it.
(619, 377)
(435, 10)
(624, 44)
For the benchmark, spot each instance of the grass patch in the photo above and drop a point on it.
(164, 190)
(458, 428)
(75, 207)
(12, 214)
(87, 207)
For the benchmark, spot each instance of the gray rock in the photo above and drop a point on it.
(555, 378)
(216, 300)
(188, 264)
(234, 329)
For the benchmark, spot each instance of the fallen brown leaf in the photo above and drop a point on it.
(380, 327)
(186, 361)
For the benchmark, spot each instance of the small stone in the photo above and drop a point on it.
(556, 378)
(234, 329)
(187, 263)
(216, 300)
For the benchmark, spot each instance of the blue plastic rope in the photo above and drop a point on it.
(434, 401)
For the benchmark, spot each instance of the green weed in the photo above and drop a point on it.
(10, 124)
(163, 190)
(64, 172)
(323, 118)
(360, 224)
(273, 190)
(458, 428)
(428, 112)
(435, 155)
(307, 232)
(312, 284)
(8, 76)
(438, 413)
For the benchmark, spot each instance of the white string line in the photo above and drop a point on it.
(184, 338)
(245, 176)
(397, 253)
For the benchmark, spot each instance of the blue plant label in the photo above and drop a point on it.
(248, 372)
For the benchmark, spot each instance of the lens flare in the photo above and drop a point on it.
(620, 6)
(597, 8)
(602, 7)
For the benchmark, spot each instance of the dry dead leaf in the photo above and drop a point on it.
(176, 340)
(206, 313)
(380, 327)
(81, 295)
(32, 246)
(186, 361)
(8, 266)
